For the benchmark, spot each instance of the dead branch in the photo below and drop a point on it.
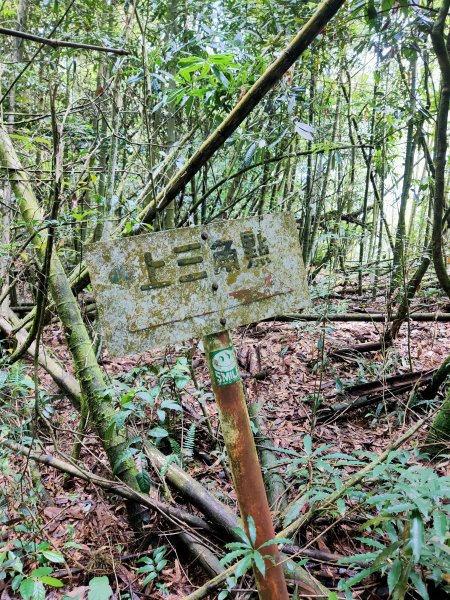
(375, 391)
(177, 516)
(60, 43)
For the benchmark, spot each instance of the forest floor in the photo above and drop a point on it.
(279, 365)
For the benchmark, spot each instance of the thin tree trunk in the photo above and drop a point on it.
(441, 47)
(400, 236)
(88, 372)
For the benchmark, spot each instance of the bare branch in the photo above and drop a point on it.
(60, 43)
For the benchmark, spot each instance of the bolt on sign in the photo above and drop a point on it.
(161, 288)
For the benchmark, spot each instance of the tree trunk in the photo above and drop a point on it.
(88, 372)
(441, 47)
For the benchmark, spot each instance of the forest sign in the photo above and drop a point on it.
(161, 288)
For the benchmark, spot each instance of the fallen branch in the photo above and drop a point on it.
(443, 317)
(374, 391)
(177, 516)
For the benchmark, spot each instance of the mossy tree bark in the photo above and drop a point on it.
(93, 386)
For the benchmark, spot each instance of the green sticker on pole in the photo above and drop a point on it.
(224, 366)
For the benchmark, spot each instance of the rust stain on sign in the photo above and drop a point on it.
(160, 288)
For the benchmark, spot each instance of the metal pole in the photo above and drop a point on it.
(245, 468)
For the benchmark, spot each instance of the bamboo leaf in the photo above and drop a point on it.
(394, 574)
(259, 562)
(417, 535)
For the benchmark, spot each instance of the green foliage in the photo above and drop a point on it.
(409, 532)
(159, 403)
(13, 558)
(246, 551)
(144, 481)
(152, 567)
(99, 589)
(159, 400)
(189, 442)
(318, 473)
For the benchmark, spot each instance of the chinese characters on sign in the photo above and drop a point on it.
(161, 288)
(224, 257)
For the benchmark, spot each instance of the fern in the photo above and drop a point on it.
(16, 379)
(176, 448)
(17, 375)
(189, 442)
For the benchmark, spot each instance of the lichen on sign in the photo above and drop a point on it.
(165, 287)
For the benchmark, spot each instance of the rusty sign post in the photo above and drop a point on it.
(245, 467)
(162, 288)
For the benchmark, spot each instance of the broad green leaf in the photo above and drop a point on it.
(99, 589)
(345, 584)
(305, 130)
(419, 584)
(171, 404)
(307, 444)
(244, 566)
(259, 562)
(149, 578)
(230, 556)
(236, 546)
(293, 512)
(40, 571)
(52, 556)
(399, 508)
(440, 525)
(251, 530)
(241, 533)
(161, 564)
(147, 569)
(27, 588)
(39, 591)
(144, 481)
(123, 456)
(53, 581)
(340, 504)
(158, 432)
(357, 558)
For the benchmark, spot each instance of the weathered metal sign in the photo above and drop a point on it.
(161, 288)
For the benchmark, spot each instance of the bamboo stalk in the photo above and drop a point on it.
(178, 516)
(326, 10)
(87, 369)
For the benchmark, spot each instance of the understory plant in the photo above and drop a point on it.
(250, 556)
(408, 534)
(14, 558)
